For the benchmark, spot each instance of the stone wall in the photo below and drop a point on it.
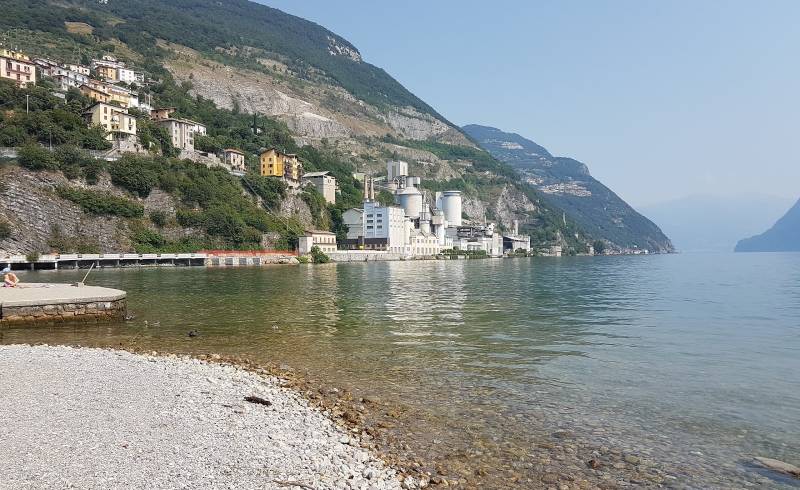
(54, 314)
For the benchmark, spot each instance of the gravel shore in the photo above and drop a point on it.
(92, 418)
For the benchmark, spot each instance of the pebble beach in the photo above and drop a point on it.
(96, 418)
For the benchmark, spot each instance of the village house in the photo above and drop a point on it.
(66, 79)
(324, 182)
(325, 240)
(161, 113)
(287, 166)
(125, 75)
(107, 68)
(17, 67)
(234, 159)
(106, 72)
(182, 131)
(95, 93)
(115, 120)
(83, 70)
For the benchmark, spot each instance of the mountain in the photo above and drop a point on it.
(784, 236)
(234, 65)
(567, 184)
(714, 223)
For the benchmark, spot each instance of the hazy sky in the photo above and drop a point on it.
(660, 99)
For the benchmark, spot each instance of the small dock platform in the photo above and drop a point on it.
(51, 304)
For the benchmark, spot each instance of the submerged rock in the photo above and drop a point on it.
(779, 466)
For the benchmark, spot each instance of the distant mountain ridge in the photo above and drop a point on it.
(568, 185)
(720, 223)
(784, 236)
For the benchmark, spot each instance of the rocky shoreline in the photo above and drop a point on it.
(96, 418)
(328, 437)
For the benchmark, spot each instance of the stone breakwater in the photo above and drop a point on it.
(91, 418)
(51, 304)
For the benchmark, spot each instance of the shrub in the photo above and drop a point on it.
(224, 222)
(101, 203)
(159, 218)
(92, 169)
(318, 256)
(5, 229)
(269, 189)
(134, 174)
(32, 256)
(37, 158)
(188, 218)
(599, 247)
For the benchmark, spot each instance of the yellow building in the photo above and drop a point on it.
(17, 67)
(95, 93)
(275, 163)
(115, 120)
(106, 70)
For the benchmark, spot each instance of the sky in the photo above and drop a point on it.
(661, 99)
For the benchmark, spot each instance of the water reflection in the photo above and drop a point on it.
(663, 353)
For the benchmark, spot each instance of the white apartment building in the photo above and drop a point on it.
(182, 132)
(125, 75)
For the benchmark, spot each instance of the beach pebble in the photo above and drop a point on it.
(93, 418)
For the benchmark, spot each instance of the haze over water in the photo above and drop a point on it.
(688, 361)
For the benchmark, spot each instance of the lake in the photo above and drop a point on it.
(673, 370)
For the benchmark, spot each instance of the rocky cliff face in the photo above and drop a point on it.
(313, 109)
(567, 184)
(38, 217)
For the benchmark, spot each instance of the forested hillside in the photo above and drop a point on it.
(257, 77)
(208, 25)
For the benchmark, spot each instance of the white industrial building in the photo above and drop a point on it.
(415, 228)
(396, 169)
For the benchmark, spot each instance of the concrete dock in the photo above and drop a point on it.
(47, 303)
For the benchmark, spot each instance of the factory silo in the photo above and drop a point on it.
(451, 205)
(411, 201)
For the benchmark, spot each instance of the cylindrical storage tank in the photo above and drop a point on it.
(411, 201)
(451, 205)
(413, 181)
(424, 226)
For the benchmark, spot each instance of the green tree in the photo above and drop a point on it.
(599, 247)
(318, 256)
(136, 174)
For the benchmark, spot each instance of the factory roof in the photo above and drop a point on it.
(319, 232)
(316, 174)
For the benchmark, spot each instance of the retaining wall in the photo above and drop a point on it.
(70, 312)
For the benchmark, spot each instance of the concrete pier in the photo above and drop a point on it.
(50, 304)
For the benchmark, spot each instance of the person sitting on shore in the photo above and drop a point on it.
(10, 280)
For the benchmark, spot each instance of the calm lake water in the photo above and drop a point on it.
(691, 362)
